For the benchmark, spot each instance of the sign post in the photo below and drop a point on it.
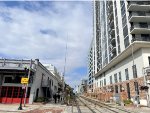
(24, 82)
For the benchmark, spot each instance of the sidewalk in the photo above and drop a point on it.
(138, 109)
(130, 108)
(34, 108)
(13, 108)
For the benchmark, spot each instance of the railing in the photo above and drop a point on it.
(15, 63)
(110, 7)
(138, 3)
(112, 24)
(143, 25)
(137, 14)
(112, 32)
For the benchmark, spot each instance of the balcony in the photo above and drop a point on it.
(113, 53)
(112, 24)
(140, 29)
(143, 37)
(113, 41)
(139, 17)
(111, 47)
(112, 32)
(139, 6)
(110, 7)
(110, 16)
(113, 50)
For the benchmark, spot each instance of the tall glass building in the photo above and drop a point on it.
(119, 55)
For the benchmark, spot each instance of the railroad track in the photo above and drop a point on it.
(86, 105)
(77, 105)
(108, 108)
(80, 106)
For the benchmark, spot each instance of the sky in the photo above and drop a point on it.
(31, 30)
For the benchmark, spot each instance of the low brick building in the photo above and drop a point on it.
(42, 83)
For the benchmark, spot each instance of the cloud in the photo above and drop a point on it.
(41, 30)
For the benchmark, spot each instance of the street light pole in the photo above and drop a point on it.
(26, 91)
(20, 107)
(22, 92)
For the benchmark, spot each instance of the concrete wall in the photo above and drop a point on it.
(38, 82)
(139, 61)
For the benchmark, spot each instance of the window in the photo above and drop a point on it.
(124, 20)
(119, 49)
(128, 90)
(145, 37)
(120, 79)
(134, 71)
(17, 79)
(127, 74)
(117, 29)
(110, 79)
(15, 92)
(125, 31)
(100, 83)
(143, 25)
(126, 42)
(104, 81)
(8, 80)
(9, 92)
(52, 82)
(4, 91)
(121, 3)
(116, 88)
(136, 86)
(55, 88)
(123, 11)
(115, 78)
(42, 79)
(149, 60)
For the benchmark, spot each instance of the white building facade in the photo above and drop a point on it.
(122, 45)
(42, 83)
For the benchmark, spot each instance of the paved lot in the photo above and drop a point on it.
(35, 108)
(54, 108)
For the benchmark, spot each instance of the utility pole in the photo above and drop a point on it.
(65, 68)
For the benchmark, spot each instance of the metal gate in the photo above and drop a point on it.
(11, 94)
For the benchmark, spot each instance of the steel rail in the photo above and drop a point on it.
(87, 106)
(106, 106)
(77, 105)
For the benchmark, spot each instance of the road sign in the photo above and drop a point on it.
(24, 80)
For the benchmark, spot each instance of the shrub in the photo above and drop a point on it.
(41, 99)
(127, 101)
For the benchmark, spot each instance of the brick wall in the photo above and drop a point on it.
(104, 94)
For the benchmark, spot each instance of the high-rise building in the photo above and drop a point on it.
(119, 56)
